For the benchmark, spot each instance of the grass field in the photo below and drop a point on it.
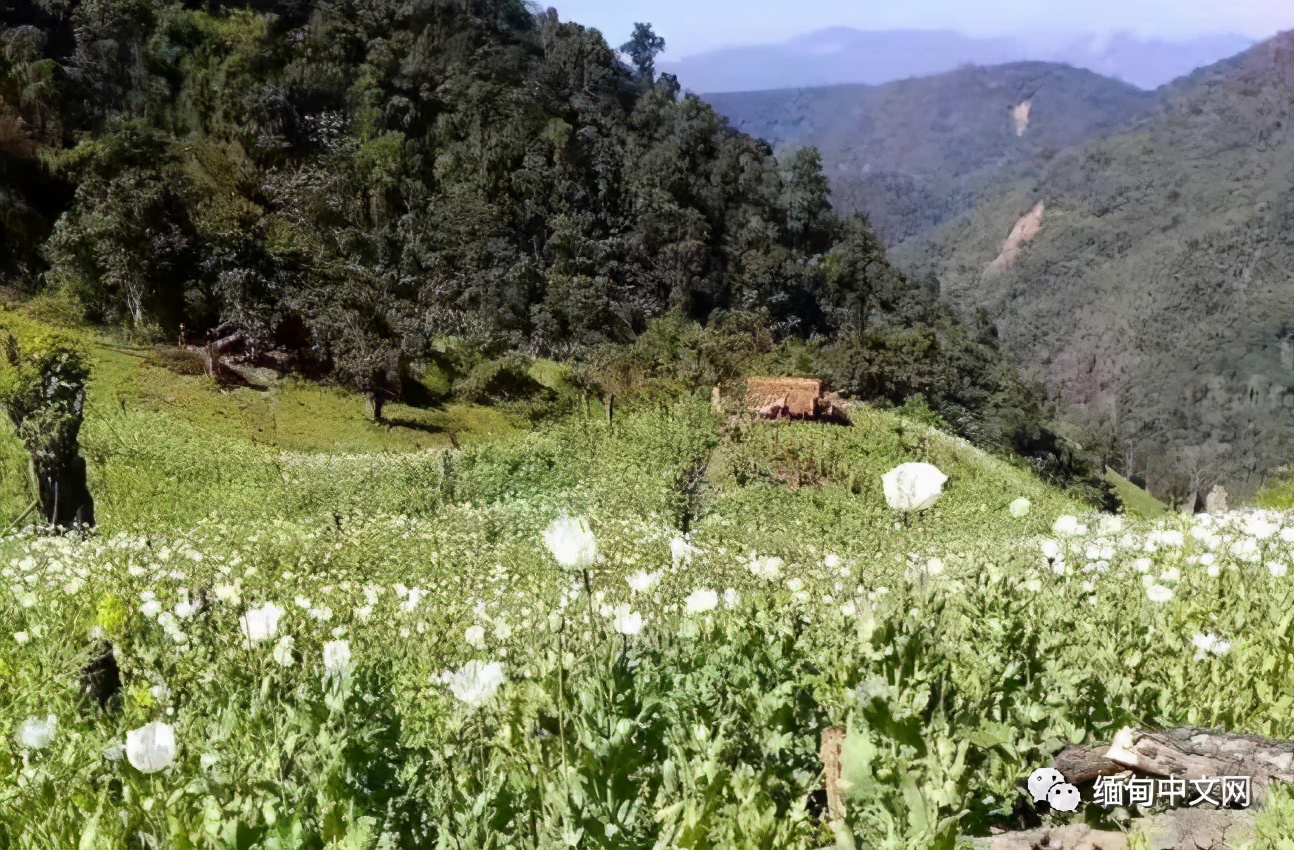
(361, 639)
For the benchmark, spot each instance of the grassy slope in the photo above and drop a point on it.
(169, 443)
(175, 469)
(1136, 501)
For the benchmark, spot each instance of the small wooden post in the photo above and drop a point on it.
(611, 411)
(833, 740)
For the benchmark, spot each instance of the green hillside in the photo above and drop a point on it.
(1154, 297)
(751, 588)
(378, 339)
(914, 154)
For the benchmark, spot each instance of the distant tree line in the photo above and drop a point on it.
(348, 181)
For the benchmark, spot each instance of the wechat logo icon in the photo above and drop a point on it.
(1048, 785)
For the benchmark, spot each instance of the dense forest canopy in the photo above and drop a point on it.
(433, 166)
(350, 180)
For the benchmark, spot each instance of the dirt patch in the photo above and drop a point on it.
(1021, 115)
(1022, 234)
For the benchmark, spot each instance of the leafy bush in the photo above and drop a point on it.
(505, 379)
(43, 392)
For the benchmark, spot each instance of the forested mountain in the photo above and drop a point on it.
(1147, 275)
(351, 182)
(428, 167)
(916, 153)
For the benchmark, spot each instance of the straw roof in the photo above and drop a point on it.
(797, 398)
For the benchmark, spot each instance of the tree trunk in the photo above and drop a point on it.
(376, 401)
(65, 494)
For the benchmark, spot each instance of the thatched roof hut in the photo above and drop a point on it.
(792, 398)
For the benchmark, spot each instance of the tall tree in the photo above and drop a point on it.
(642, 49)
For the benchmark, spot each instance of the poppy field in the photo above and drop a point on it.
(595, 636)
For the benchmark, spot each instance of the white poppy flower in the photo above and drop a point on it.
(1210, 644)
(1159, 593)
(1168, 537)
(571, 543)
(260, 624)
(627, 622)
(1277, 569)
(1050, 549)
(832, 562)
(1020, 508)
(475, 637)
(36, 733)
(913, 486)
(681, 551)
(21, 637)
(1246, 549)
(151, 748)
(701, 600)
(1142, 565)
(765, 568)
(476, 682)
(336, 658)
(1260, 527)
(934, 566)
(283, 651)
(730, 598)
(1069, 526)
(641, 582)
(1110, 524)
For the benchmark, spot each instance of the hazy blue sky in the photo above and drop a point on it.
(690, 26)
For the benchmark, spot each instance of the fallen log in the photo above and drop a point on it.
(1184, 752)
(1080, 765)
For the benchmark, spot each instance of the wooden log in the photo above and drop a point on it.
(1083, 764)
(1197, 753)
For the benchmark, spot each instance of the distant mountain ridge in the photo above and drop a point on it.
(1146, 274)
(874, 57)
(915, 153)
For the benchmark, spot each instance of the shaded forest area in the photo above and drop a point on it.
(350, 183)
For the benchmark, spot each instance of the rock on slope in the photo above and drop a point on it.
(916, 153)
(1159, 290)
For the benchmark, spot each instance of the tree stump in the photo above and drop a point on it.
(833, 740)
